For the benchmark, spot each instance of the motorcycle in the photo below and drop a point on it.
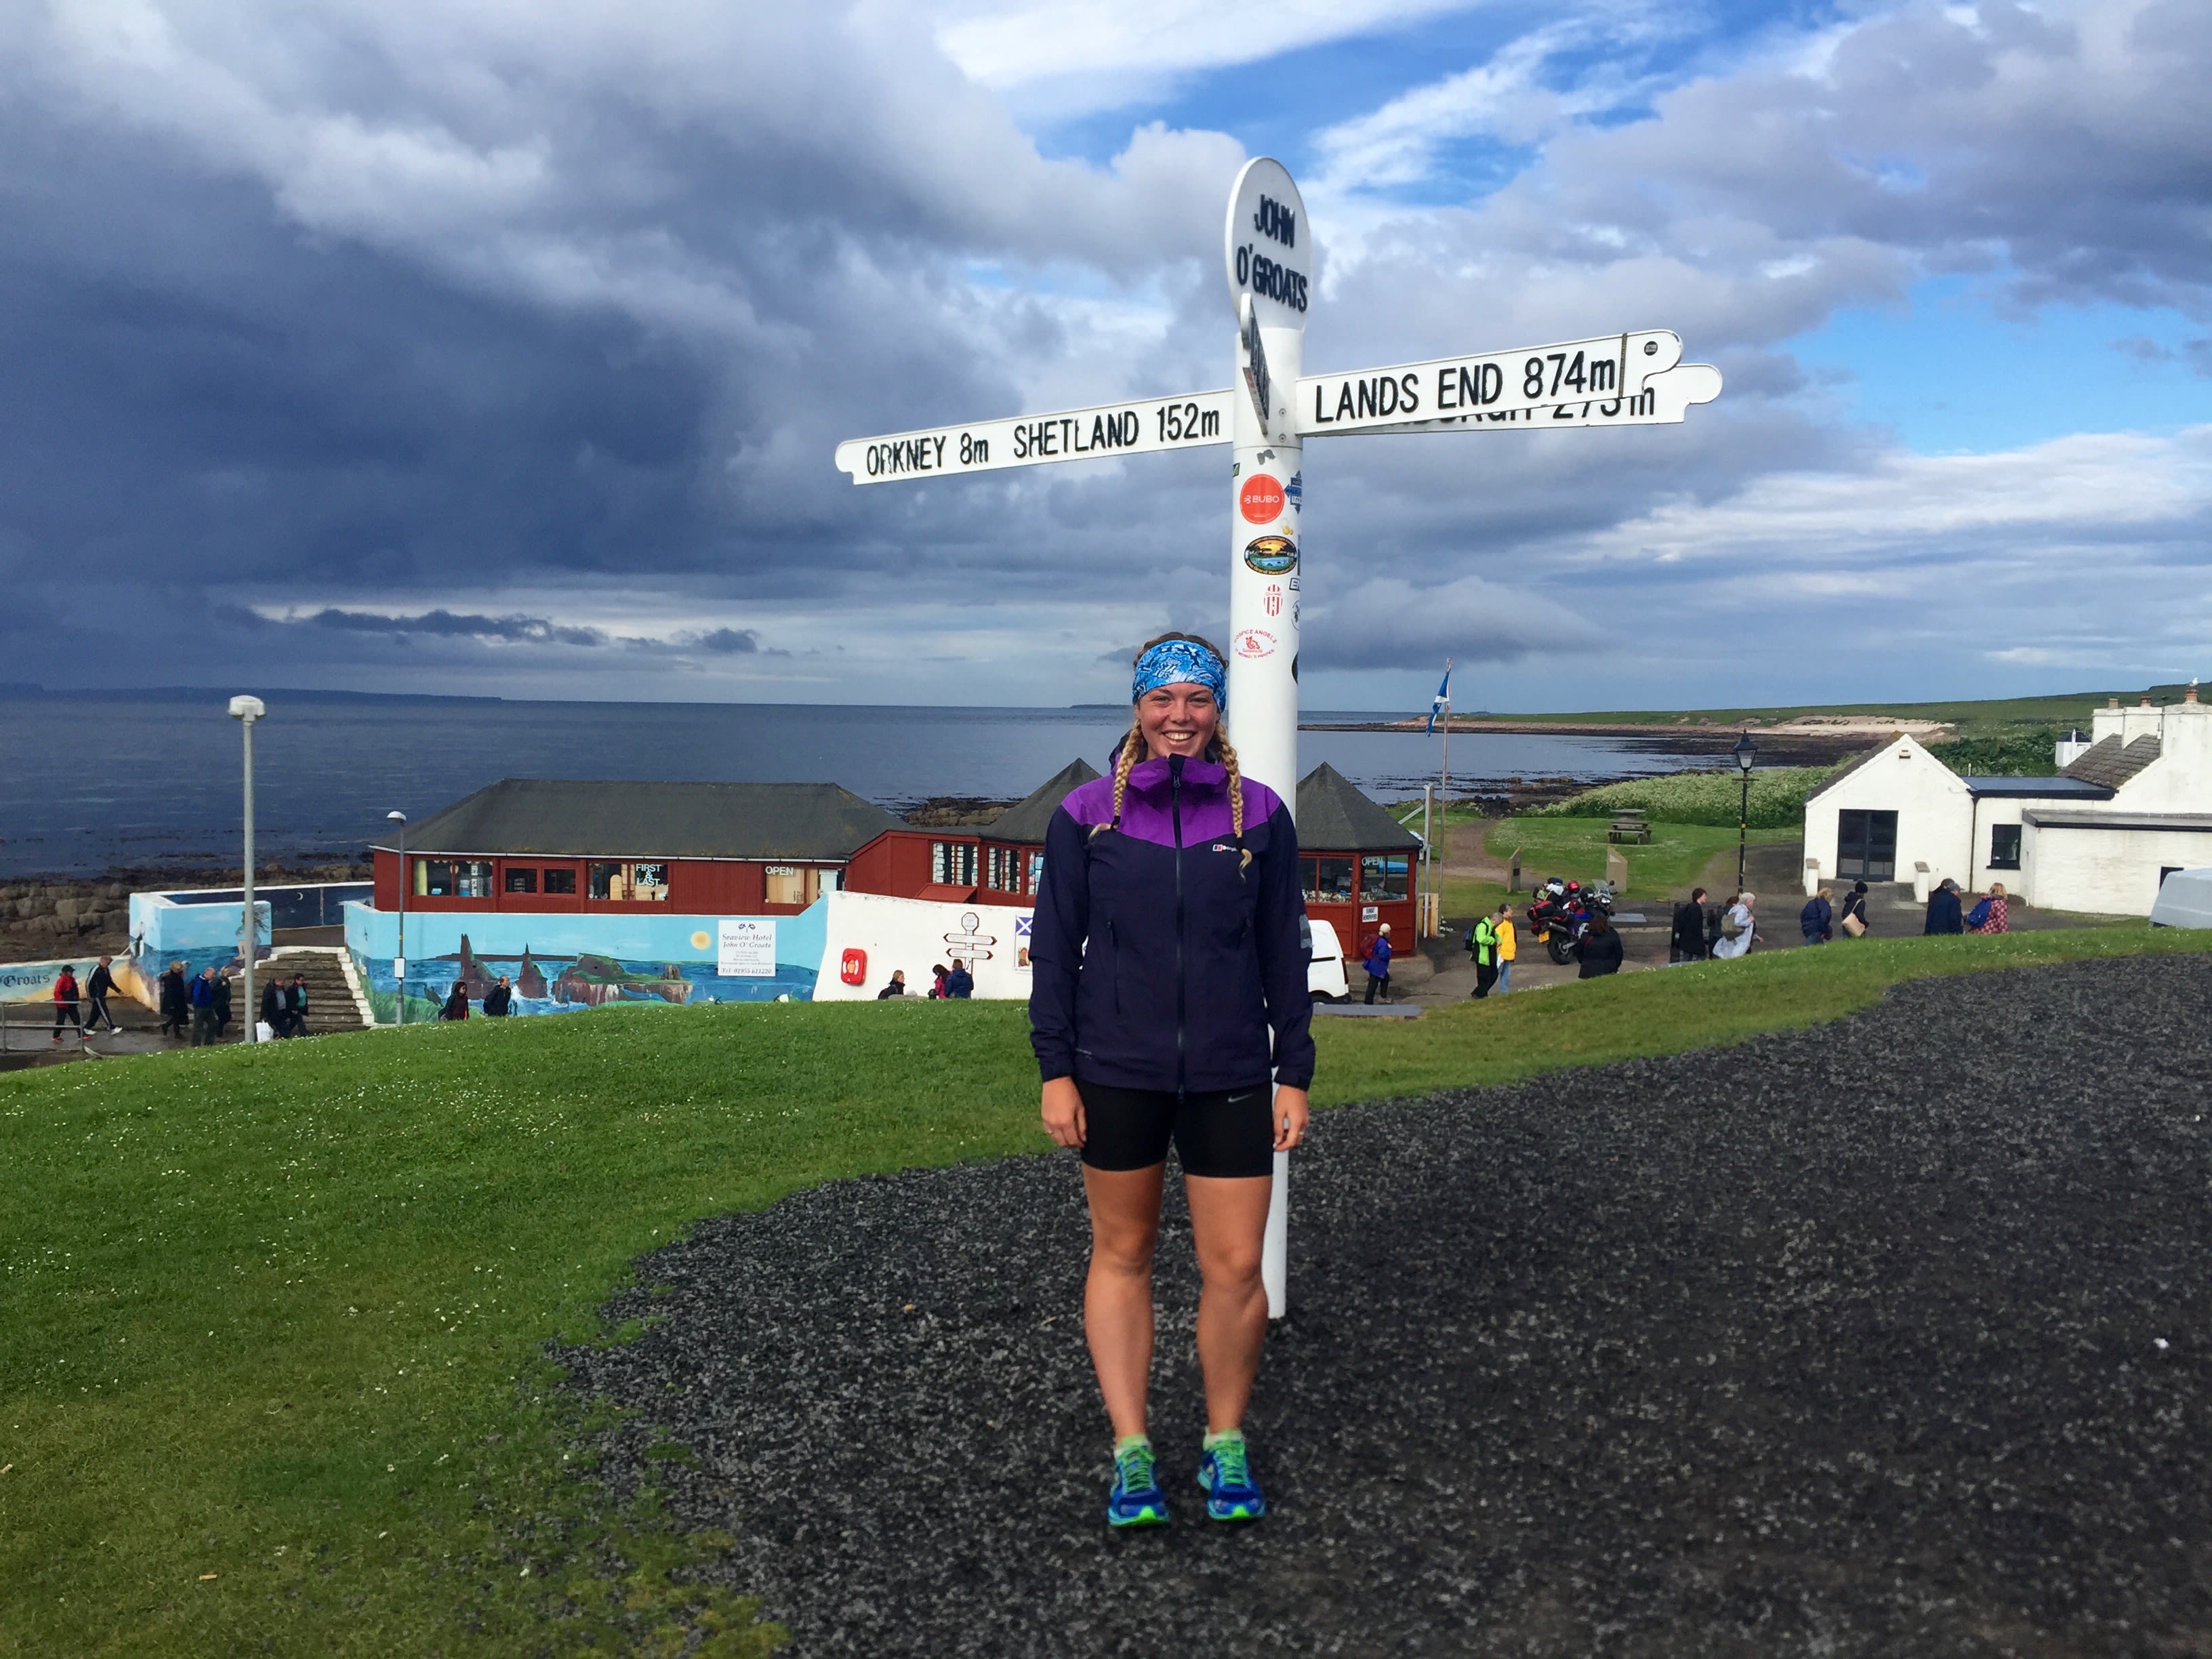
(1560, 912)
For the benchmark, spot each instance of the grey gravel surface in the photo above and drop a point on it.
(1887, 1337)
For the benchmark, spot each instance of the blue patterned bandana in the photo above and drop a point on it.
(1181, 662)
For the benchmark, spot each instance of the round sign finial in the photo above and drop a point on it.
(1269, 245)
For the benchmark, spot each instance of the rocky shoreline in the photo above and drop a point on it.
(49, 918)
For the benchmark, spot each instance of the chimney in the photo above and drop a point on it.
(2112, 703)
(2190, 696)
(2146, 699)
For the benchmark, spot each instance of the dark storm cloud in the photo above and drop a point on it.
(525, 338)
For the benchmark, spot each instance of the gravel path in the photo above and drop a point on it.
(1889, 1338)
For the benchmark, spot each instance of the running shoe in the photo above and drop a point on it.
(1136, 1499)
(1230, 1491)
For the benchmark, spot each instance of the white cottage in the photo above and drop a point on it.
(2100, 834)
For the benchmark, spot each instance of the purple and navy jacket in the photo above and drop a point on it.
(1158, 961)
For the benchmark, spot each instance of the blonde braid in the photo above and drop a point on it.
(1227, 756)
(1131, 746)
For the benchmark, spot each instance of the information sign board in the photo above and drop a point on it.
(745, 947)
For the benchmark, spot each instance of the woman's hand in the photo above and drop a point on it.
(1063, 1112)
(1291, 1113)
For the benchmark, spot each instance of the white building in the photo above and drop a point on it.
(2099, 836)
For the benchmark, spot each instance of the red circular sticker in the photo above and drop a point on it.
(1261, 501)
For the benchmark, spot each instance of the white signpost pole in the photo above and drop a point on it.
(1269, 249)
(1632, 379)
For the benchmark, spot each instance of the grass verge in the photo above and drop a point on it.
(270, 1377)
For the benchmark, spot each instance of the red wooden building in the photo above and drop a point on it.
(552, 845)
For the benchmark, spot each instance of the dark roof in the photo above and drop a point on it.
(560, 818)
(2059, 788)
(1333, 817)
(2106, 763)
(2195, 823)
(1025, 820)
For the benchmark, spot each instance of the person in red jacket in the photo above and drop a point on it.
(65, 1005)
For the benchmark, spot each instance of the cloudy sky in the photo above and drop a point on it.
(496, 346)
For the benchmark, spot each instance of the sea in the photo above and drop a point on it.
(146, 779)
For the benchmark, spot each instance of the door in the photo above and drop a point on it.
(1866, 846)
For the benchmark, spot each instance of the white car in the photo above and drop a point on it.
(1325, 970)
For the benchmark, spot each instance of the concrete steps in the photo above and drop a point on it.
(334, 999)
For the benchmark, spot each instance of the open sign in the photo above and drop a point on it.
(854, 968)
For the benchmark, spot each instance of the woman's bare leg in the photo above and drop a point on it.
(1227, 1222)
(1117, 1297)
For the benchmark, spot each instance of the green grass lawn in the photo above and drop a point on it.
(1675, 858)
(1983, 717)
(270, 1376)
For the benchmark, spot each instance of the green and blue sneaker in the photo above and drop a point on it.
(1230, 1492)
(1136, 1499)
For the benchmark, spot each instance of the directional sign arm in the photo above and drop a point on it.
(1491, 383)
(1136, 428)
(1665, 401)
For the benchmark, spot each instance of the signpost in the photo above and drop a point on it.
(1636, 378)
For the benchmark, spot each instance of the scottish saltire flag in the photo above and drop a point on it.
(1442, 702)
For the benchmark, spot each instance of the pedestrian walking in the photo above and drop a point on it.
(1378, 965)
(499, 1001)
(959, 983)
(1482, 945)
(456, 1005)
(1508, 945)
(176, 1002)
(1689, 942)
(1599, 949)
(65, 1005)
(1169, 959)
(202, 989)
(295, 1006)
(222, 1006)
(1854, 919)
(1738, 929)
(1817, 920)
(1993, 914)
(895, 988)
(1943, 915)
(97, 991)
(272, 1009)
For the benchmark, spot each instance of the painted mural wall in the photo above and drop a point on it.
(562, 964)
(200, 936)
(870, 935)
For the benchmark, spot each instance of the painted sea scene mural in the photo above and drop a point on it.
(557, 964)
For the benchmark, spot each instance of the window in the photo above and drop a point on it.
(787, 885)
(561, 881)
(452, 878)
(2004, 846)
(1004, 869)
(1383, 878)
(952, 863)
(1037, 873)
(628, 883)
(517, 881)
(1866, 846)
(1328, 881)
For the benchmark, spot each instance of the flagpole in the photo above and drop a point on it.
(1444, 789)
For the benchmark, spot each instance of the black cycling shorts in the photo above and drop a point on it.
(1220, 1133)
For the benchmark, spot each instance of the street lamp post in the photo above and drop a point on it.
(246, 711)
(1746, 752)
(399, 962)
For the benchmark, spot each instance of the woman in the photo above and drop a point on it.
(1599, 949)
(1996, 911)
(1169, 961)
(1738, 926)
(1817, 920)
(1854, 911)
(895, 988)
(457, 1002)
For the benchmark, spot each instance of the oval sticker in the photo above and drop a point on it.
(1255, 642)
(1272, 555)
(1261, 500)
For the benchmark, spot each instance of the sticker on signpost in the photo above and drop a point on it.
(1261, 500)
(1271, 556)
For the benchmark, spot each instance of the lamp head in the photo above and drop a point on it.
(1745, 751)
(247, 708)
(397, 818)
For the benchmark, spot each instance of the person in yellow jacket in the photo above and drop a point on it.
(1503, 929)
